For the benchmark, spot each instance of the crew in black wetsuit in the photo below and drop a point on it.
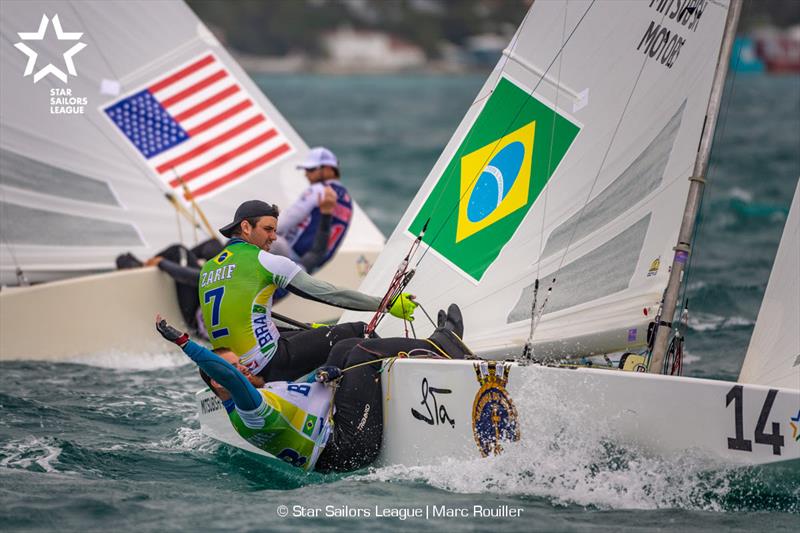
(353, 440)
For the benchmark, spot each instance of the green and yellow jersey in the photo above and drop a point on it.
(292, 423)
(235, 291)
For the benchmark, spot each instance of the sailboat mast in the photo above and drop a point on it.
(684, 246)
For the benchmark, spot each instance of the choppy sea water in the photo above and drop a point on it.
(114, 442)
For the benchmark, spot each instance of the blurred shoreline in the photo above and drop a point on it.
(296, 64)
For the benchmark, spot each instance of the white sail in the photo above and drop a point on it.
(572, 163)
(616, 196)
(78, 188)
(773, 357)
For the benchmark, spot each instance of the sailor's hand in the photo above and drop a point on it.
(326, 374)
(153, 261)
(171, 334)
(327, 201)
(403, 307)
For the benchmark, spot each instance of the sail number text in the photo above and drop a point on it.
(774, 439)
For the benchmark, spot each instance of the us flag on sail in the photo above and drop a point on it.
(198, 124)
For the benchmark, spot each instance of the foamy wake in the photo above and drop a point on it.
(568, 459)
(578, 476)
(711, 322)
(187, 439)
(32, 453)
(741, 194)
(131, 360)
(689, 358)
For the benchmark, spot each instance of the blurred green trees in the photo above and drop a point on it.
(278, 27)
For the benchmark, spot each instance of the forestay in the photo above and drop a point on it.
(773, 357)
(89, 152)
(571, 164)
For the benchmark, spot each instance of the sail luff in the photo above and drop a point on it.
(684, 245)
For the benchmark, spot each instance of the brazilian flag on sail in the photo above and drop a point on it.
(494, 178)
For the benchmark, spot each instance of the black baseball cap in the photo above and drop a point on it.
(249, 209)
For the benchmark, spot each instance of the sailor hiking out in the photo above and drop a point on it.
(331, 422)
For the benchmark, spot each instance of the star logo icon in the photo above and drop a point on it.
(38, 35)
(795, 427)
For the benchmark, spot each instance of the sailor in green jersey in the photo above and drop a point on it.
(236, 289)
(294, 421)
(291, 421)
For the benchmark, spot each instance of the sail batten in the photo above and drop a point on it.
(533, 69)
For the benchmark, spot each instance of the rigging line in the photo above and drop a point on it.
(195, 226)
(180, 209)
(528, 349)
(401, 278)
(381, 357)
(4, 218)
(712, 168)
(508, 281)
(597, 175)
(195, 208)
(99, 49)
(427, 315)
(174, 52)
(550, 155)
(179, 225)
(513, 119)
(7, 242)
(504, 60)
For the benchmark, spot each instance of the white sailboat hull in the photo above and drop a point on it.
(114, 311)
(86, 315)
(563, 407)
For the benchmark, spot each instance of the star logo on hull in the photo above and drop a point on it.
(38, 35)
(795, 425)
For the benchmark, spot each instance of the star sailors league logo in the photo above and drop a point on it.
(33, 56)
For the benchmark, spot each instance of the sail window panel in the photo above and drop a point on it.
(603, 271)
(642, 177)
(30, 226)
(25, 173)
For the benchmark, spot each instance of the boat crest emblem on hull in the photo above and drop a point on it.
(494, 416)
